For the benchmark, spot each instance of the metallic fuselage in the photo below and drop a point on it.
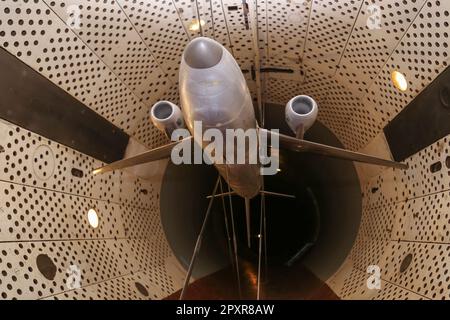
(213, 91)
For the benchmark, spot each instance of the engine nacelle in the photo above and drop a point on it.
(167, 117)
(301, 113)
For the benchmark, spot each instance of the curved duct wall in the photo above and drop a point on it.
(122, 56)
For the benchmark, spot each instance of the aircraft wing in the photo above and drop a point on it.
(300, 145)
(148, 156)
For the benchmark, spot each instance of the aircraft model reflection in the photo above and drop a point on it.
(213, 91)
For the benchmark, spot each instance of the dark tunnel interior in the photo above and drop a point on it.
(316, 229)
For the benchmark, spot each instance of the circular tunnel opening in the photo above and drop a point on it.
(316, 230)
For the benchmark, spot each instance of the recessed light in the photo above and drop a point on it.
(93, 218)
(399, 80)
(195, 25)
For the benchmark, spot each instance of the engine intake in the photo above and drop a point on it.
(167, 117)
(301, 113)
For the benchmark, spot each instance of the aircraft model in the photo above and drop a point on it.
(213, 91)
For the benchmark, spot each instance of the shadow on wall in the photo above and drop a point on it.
(335, 185)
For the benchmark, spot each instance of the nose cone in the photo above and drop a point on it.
(203, 53)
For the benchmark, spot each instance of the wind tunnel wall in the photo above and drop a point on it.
(125, 57)
(43, 206)
(405, 213)
(44, 212)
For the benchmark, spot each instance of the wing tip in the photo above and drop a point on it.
(97, 171)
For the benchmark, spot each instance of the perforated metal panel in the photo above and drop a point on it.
(159, 26)
(366, 52)
(405, 213)
(350, 60)
(283, 29)
(106, 30)
(352, 83)
(330, 25)
(421, 56)
(44, 211)
(50, 47)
